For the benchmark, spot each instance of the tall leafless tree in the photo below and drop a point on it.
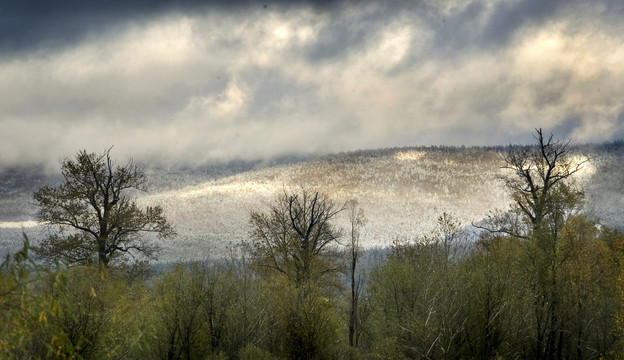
(357, 220)
(537, 171)
(295, 236)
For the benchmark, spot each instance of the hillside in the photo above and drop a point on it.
(402, 192)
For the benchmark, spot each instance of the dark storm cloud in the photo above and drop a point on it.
(32, 24)
(346, 33)
(456, 32)
(28, 24)
(619, 133)
(508, 17)
(567, 128)
(335, 40)
(187, 82)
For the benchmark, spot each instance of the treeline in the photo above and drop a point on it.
(540, 281)
(438, 298)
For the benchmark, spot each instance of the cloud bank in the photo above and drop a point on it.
(185, 83)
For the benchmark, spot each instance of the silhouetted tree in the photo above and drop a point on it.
(96, 218)
(294, 237)
(537, 183)
(356, 221)
(294, 242)
(544, 199)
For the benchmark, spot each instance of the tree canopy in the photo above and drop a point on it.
(294, 237)
(92, 215)
(538, 177)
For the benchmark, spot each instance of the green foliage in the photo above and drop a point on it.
(418, 296)
(432, 298)
(210, 310)
(251, 352)
(294, 251)
(497, 299)
(558, 268)
(72, 313)
(311, 329)
(181, 304)
(94, 215)
(544, 282)
(307, 327)
(19, 312)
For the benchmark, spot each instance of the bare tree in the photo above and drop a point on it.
(543, 201)
(539, 172)
(295, 235)
(357, 220)
(94, 216)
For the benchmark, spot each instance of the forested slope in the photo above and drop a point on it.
(402, 191)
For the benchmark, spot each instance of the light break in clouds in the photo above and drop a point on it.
(189, 83)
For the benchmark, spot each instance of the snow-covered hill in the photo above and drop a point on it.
(402, 192)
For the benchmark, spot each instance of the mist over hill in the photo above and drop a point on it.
(401, 190)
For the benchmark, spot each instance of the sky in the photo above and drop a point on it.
(192, 82)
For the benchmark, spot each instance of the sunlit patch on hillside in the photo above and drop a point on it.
(231, 188)
(586, 168)
(408, 155)
(18, 224)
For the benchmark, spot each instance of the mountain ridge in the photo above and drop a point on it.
(401, 190)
